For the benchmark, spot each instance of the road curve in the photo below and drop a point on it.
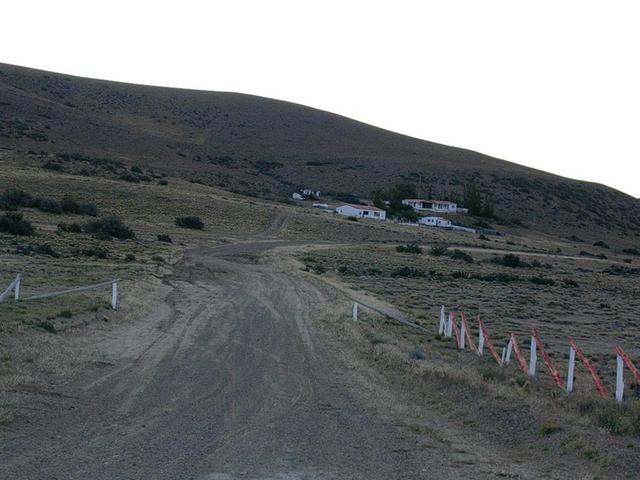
(234, 382)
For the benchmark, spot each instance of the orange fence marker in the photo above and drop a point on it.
(601, 389)
(465, 325)
(456, 332)
(487, 340)
(547, 361)
(516, 349)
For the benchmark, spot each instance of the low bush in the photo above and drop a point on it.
(49, 205)
(70, 227)
(37, 249)
(190, 222)
(157, 258)
(88, 209)
(460, 255)
(409, 248)
(162, 237)
(408, 272)
(540, 280)
(602, 244)
(15, 224)
(96, 252)
(110, 227)
(164, 182)
(549, 428)
(631, 251)
(12, 199)
(352, 219)
(129, 257)
(46, 325)
(438, 251)
(510, 260)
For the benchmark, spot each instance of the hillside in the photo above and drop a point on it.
(266, 148)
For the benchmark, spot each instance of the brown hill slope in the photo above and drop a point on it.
(267, 148)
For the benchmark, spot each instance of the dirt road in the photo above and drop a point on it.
(227, 378)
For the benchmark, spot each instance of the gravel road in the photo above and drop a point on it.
(226, 378)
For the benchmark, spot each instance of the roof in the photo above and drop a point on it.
(362, 207)
(428, 201)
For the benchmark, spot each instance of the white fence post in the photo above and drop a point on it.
(449, 327)
(619, 379)
(504, 356)
(114, 295)
(572, 366)
(507, 357)
(16, 287)
(354, 312)
(442, 321)
(533, 358)
(463, 331)
(480, 342)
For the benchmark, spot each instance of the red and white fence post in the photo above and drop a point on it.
(354, 312)
(623, 359)
(533, 356)
(600, 388)
(442, 326)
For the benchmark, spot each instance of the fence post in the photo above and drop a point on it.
(533, 357)
(442, 321)
(354, 312)
(507, 354)
(16, 287)
(114, 295)
(572, 366)
(619, 378)
(449, 327)
(480, 341)
(463, 332)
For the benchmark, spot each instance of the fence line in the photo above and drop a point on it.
(513, 346)
(15, 287)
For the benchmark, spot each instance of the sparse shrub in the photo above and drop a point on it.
(15, 224)
(89, 209)
(417, 355)
(157, 258)
(162, 237)
(602, 244)
(438, 251)
(319, 268)
(70, 227)
(631, 251)
(549, 428)
(12, 199)
(108, 227)
(46, 325)
(482, 236)
(65, 314)
(352, 218)
(163, 182)
(570, 283)
(96, 252)
(461, 255)
(54, 166)
(190, 222)
(129, 257)
(69, 205)
(49, 205)
(408, 272)
(37, 249)
(409, 248)
(540, 280)
(510, 260)
(575, 238)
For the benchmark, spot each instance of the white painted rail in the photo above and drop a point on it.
(13, 287)
(84, 288)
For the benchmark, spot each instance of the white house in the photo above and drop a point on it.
(308, 192)
(435, 222)
(361, 211)
(441, 206)
(297, 196)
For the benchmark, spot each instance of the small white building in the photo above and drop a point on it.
(441, 206)
(435, 222)
(297, 196)
(308, 192)
(361, 211)
(323, 206)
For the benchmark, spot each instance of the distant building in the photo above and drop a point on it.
(435, 222)
(307, 192)
(361, 211)
(320, 205)
(297, 196)
(440, 206)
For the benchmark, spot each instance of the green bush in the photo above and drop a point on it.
(190, 222)
(162, 237)
(37, 249)
(164, 182)
(510, 260)
(109, 227)
(15, 224)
